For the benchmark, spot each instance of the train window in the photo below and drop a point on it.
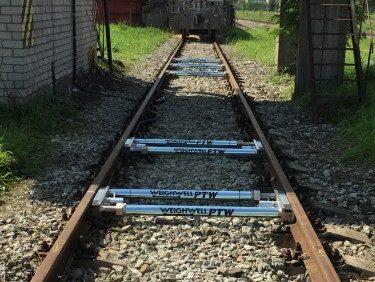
(224, 9)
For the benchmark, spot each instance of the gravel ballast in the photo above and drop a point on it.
(189, 248)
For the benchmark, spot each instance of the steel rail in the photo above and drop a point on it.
(317, 263)
(55, 262)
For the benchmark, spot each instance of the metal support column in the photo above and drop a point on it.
(108, 36)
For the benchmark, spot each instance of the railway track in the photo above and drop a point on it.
(179, 156)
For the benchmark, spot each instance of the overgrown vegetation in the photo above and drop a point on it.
(358, 129)
(131, 44)
(356, 124)
(26, 131)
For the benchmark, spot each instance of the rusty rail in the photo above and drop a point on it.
(54, 263)
(318, 264)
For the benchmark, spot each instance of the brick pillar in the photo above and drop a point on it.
(33, 34)
(12, 53)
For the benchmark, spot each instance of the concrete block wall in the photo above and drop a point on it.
(34, 34)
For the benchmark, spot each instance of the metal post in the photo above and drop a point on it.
(108, 36)
(362, 95)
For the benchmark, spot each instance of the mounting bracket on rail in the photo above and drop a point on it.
(113, 200)
(226, 148)
(286, 214)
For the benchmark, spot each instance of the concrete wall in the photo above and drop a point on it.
(36, 33)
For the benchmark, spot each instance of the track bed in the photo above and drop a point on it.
(157, 248)
(215, 239)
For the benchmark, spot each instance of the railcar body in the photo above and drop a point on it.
(200, 16)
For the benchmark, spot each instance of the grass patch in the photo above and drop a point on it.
(131, 44)
(257, 16)
(359, 130)
(26, 131)
(255, 43)
(6, 162)
(358, 125)
(258, 44)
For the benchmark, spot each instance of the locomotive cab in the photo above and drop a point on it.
(199, 16)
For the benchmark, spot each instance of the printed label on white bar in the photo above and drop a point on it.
(214, 151)
(198, 142)
(199, 211)
(226, 211)
(218, 152)
(182, 194)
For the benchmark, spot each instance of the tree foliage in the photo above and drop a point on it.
(290, 20)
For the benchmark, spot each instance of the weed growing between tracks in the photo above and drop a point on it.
(131, 44)
(26, 131)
